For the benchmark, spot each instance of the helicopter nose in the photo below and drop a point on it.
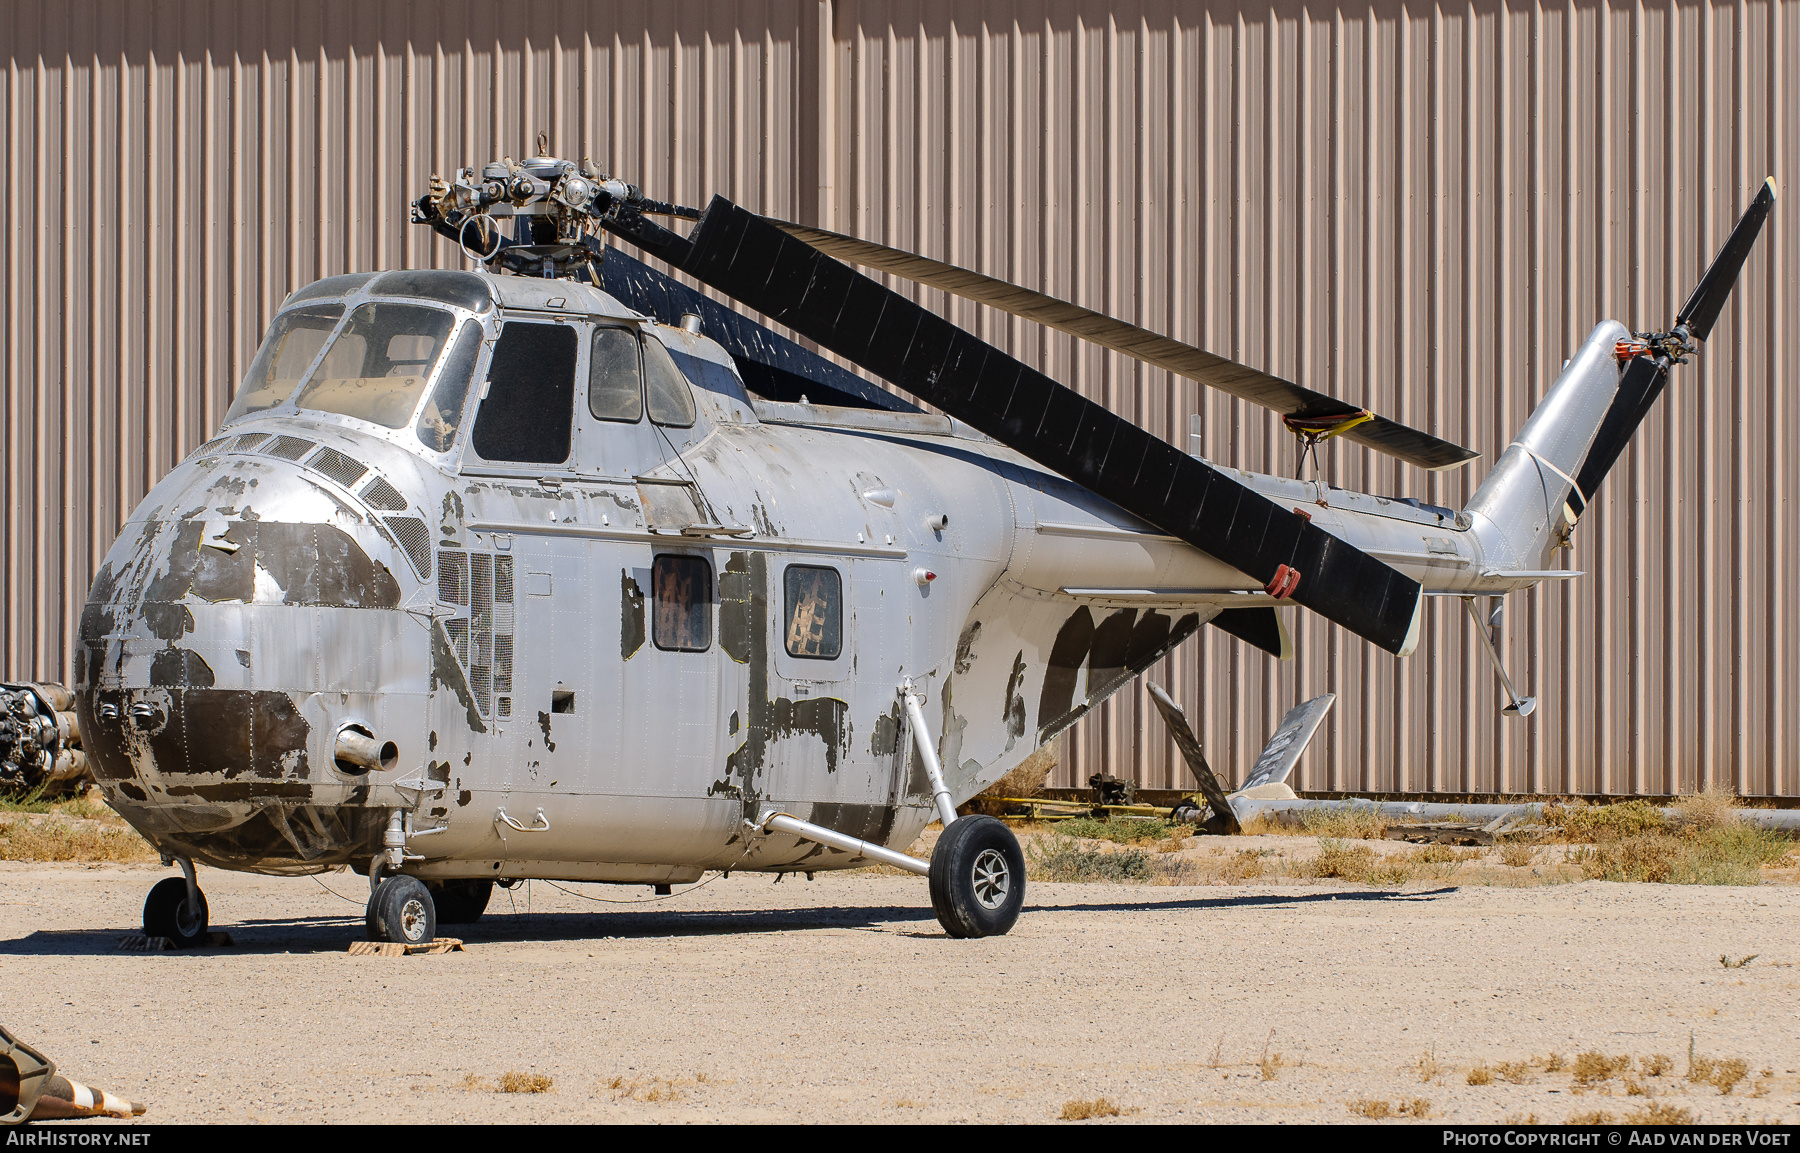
(244, 672)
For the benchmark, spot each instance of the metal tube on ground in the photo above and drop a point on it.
(1787, 820)
(794, 826)
(940, 792)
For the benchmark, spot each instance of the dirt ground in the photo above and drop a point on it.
(842, 1000)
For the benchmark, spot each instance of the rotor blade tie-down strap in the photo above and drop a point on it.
(1313, 429)
(1281, 586)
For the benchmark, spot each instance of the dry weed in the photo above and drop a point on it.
(1554, 1063)
(55, 837)
(1429, 1069)
(1087, 1110)
(1515, 1119)
(1725, 962)
(1480, 1075)
(1517, 856)
(1417, 1107)
(1594, 1118)
(1061, 858)
(473, 1084)
(1593, 1066)
(1517, 1072)
(1373, 1110)
(513, 1081)
(655, 1089)
(1270, 1066)
(1441, 854)
(1727, 1073)
(1656, 1065)
(1027, 778)
(1354, 824)
(1660, 1113)
(1634, 1087)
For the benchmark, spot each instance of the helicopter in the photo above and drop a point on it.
(558, 568)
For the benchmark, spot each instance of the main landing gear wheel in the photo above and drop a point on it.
(977, 878)
(460, 902)
(169, 913)
(401, 910)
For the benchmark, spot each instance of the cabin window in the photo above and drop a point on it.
(815, 612)
(615, 386)
(443, 412)
(529, 409)
(670, 397)
(293, 341)
(683, 592)
(376, 366)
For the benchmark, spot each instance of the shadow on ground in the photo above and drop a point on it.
(512, 922)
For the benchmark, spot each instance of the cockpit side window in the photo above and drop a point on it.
(378, 363)
(615, 384)
(442, 414)
(670, 397)
(529, 410)
(293, 341)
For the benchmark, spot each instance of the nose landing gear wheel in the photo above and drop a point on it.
(977, 878)
(401, 910)
(169, 913)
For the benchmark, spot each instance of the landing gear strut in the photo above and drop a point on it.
(176, 909)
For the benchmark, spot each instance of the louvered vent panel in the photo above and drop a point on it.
(503, 630)
(288, 447)
(248, 441)
(415, 538)
(378, 493)
(211, 446)
(345, 470)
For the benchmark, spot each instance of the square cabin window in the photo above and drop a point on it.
(682, 587)
(529, 410)
(815, 612)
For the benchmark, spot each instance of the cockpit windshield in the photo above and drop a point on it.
(379, 363)
(293, 341)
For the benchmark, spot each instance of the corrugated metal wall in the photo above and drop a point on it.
(1420, 207)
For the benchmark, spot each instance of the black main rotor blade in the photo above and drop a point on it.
(793, 283)
(1240, 380)
(1701, 311)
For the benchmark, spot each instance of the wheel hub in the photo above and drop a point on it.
(993, 878)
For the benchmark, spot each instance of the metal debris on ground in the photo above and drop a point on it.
(32, 1090)
(139, 943)
(397, 949)
(1440, 834)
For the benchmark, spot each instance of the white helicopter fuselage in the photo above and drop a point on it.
(612, 665)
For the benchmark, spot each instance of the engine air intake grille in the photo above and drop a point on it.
(248, 441)
(288, 447)
(415, 539)
(378, 493)
(334, 464)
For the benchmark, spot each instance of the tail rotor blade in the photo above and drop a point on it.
(1701, 311)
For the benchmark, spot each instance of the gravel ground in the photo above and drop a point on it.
(841, 1000)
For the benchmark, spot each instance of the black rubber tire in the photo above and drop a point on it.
(461, 902)
(977, 878)
(166, 914)
(1186, 812)
(401, 910)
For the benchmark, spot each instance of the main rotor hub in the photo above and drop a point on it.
(554, 206)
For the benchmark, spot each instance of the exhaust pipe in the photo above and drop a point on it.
(358, 752)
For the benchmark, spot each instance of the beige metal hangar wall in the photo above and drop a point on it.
(1422, 207)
